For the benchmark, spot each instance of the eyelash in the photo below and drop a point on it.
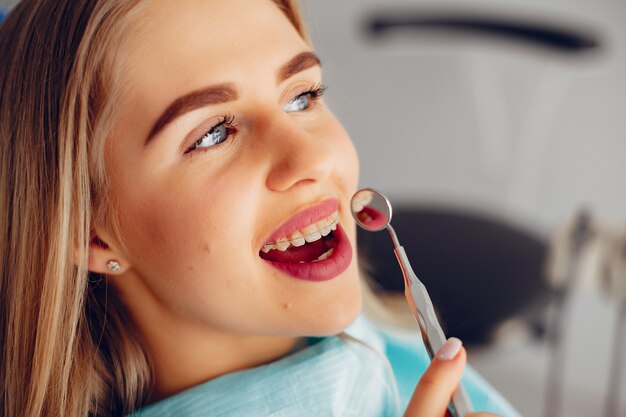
(228, 121)
(315, 93)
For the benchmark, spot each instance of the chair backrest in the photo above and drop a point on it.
(479, 270)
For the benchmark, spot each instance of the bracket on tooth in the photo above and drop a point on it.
(282, 244)
(297, 239)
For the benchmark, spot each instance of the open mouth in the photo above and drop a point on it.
(313, 243)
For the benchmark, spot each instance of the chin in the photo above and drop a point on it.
(337, 316)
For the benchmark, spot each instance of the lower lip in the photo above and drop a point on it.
(322, 270)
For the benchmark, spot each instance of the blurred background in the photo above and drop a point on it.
(498, 131)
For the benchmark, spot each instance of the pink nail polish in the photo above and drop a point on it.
(450, 349)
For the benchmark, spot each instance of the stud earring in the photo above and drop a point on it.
(114, 266)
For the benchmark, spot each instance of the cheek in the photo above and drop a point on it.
(184, 244)
(177, 230)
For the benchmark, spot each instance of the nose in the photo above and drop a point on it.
(298, 155)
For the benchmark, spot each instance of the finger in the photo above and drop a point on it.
(435, 388)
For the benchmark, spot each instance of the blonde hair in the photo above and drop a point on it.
(67, 346)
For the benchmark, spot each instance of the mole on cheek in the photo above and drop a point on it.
(287, 306)
(206, 249)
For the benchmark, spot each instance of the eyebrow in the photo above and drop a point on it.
(298, 63)
(212, 95)
(224, 93)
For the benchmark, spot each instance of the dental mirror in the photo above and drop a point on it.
(372, 212)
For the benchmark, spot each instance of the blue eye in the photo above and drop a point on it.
(303, 101)
(298, 103)
(216, 135)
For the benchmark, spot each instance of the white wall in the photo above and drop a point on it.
(481, 123)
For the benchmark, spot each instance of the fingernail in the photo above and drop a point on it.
(450, 349)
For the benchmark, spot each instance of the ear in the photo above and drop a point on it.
(105, 254)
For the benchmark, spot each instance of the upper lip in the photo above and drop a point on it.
(305, 217)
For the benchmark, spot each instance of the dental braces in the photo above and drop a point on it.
(272, 245)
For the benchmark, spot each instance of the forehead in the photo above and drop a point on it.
(185, 44)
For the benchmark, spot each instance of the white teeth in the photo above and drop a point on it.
(297, 239)
(282, 244)
(325, 231)
(313, 237)
(326, 255)
(358, 206)
(364, 200)
(324, 227)
(310, 233)
(312, 228)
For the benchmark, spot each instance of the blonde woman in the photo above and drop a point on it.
(176, 239)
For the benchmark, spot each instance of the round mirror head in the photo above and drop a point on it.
(370, 209)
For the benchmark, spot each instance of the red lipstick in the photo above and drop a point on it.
(297, 261)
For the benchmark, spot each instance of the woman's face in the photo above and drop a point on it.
(223, 147)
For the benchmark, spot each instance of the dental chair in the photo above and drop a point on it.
(479, 271)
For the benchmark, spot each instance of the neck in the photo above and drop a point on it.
(184, 354)
(188, 358)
